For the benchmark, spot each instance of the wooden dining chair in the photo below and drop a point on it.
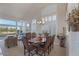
(28, 35)
(46, 34)
(62, 40)
(52, 41)
(45, 49)
(28, 48)
(33, 35)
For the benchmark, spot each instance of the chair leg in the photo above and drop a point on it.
(24, 53)
(48, 50)
(44, 53)
(29, 53)
(50, 47)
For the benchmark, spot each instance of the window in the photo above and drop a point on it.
(7, 26)
(11, 29)
(7, 22)
(49, 19)
(43, 20)
(10, 26)
(49, 24)
(46, 19)
(54, 17)
(19, 23)
(33, 25)
(7, 30)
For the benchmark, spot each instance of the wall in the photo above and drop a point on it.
(74, 44)
(72, 37)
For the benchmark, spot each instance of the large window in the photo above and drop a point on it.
(7, 30)
(33, 25)
(20, 25)
(7, 26)
(49, 24)
(10, 26)
(7, 22)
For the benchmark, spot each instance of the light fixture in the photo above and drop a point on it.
(41, 21)
(28, 25)
(34, 21)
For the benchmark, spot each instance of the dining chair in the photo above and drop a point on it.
(28, 35)
(33, 35)
(29, 49)
(62, 40)
(45, 49)
(52, 41)
(46, 34)
(50, 44)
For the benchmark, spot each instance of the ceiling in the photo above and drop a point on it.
(21, 10)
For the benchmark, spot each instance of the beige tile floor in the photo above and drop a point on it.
(18, 50)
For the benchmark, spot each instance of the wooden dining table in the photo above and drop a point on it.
(37, 43)
(36, 40)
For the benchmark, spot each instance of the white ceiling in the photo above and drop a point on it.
(21, 10)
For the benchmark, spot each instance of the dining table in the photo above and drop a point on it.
(37, 43)
(37, 40)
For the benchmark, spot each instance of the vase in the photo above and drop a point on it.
(74, 28)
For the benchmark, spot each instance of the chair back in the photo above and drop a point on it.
(33, 35)
(46, 34)
(48, 43)
(25, 43)
(53, 38)
(28, 35)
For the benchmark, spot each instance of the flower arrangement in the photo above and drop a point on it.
(73, 17)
